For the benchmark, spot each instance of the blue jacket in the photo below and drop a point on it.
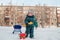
(17, 26)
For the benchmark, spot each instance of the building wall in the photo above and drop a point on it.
(45, 15)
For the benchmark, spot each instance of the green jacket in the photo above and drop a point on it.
(31, 19)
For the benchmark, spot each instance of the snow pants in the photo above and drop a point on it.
(30, 31)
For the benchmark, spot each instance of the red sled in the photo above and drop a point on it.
(22, 35)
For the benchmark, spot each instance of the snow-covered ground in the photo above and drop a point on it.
(40, 34)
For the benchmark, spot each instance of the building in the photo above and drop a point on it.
(45, 15)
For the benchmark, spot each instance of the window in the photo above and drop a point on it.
(6, 20)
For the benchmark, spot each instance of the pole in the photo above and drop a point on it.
(42, 17)
(56, 16)
(10, 3)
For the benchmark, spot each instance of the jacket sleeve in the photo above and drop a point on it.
(35, 23)
(26, 20)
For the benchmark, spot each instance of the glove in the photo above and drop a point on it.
(30, 23)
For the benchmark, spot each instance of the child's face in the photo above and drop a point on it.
(30, 14)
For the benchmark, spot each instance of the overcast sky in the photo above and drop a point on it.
(31, 2)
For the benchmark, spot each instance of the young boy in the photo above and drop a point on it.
(30, 22)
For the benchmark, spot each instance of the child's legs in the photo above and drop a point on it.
(27, 31)
(31, 32)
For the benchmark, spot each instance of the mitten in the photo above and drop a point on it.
(30, 23)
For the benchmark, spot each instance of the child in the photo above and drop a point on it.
(17, 28)
(30, 22)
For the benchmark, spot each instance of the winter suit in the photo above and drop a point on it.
(30, 27)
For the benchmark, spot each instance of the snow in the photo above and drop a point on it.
(39, 33)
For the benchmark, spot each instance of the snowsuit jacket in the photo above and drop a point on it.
(31, 19)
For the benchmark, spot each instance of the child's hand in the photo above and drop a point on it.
(30, 23)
